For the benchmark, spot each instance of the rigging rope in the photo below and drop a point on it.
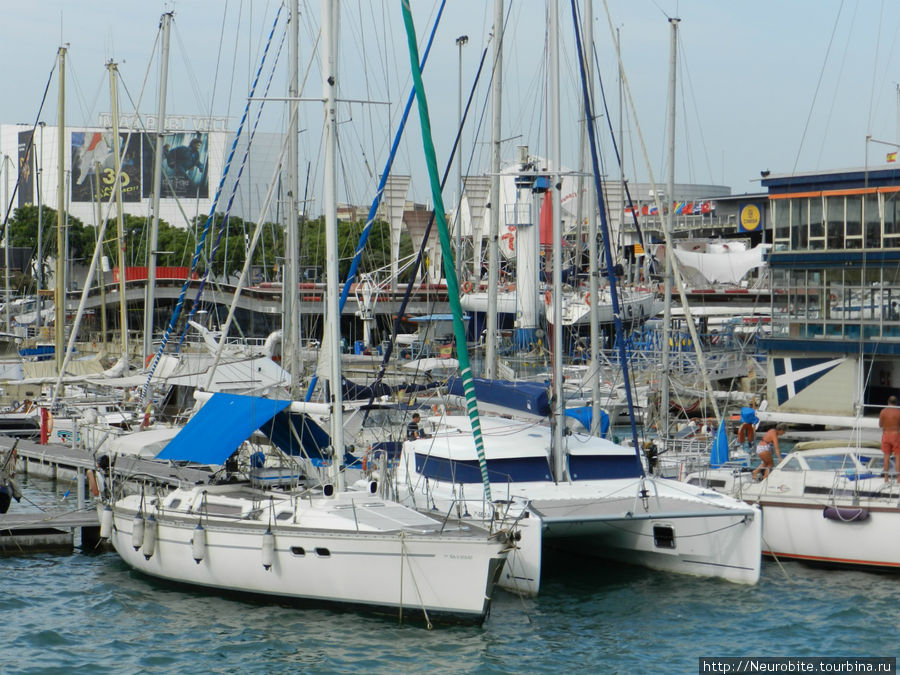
(446, 251)
(209, 220)
(373, 209)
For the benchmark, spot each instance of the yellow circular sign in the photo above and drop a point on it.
(750, 219)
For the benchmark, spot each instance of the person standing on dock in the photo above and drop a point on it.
(889, 421)
(767, 444)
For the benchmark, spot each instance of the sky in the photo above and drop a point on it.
(780, 86)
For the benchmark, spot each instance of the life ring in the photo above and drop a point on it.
(587, 299)
(467, 287)
(547, 297)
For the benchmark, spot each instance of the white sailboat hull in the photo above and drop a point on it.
(412, 572)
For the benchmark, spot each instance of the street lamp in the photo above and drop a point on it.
(460, 41)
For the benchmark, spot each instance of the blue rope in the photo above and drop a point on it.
(370, 221)
(212, 211)
(234, 187)
(601, 203)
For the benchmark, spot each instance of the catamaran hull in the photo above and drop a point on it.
(718, 543)
(846, 536)
(404, 573)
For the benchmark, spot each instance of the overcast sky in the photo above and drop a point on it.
(783, 86)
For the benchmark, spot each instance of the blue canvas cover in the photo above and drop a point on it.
(528, 397)
(719, 452)
(220, 426)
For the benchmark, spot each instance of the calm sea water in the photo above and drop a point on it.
(65, 612)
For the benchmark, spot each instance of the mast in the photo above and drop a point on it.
(490, 352)
(290, 341)
(556, 246)
(149, 302)
(120, 226)
(60, 295)
(332, 311)
(668, 278)
(6, 300)
(593, 252)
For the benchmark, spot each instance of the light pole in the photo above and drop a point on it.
(460, 41)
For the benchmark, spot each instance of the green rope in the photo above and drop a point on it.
(440, 218)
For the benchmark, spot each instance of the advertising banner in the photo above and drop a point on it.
(26, 168)
(184, 165)
(92, 154)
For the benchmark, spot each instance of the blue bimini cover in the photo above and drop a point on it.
(219, 428)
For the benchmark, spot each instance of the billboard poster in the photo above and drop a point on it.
(92, 152)
(26, 168)
(184, 165)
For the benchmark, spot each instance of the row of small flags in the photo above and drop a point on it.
(892, 157)
(679, 208)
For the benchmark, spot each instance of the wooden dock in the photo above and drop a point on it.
(31, 532)
(55, 530)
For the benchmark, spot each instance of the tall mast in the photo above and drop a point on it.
(670, 258)
(290, 342)
(120, 225)
(332, 309)
(6, 162)
(60, 295)
(593, 252)
(556, 247)
(490, 352)
(149, 302)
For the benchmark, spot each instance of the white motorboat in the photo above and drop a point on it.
(828, 502)
(606, 507)
(637, 305)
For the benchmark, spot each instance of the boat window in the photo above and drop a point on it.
(829, 462)
(663, 536)
(175, 503)
(298, 550)
(283, 515)
(792, 464)
(323, 552)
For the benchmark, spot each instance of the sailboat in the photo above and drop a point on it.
(576, 491)
(317, 542)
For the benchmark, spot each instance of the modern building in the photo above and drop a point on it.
(835, 265)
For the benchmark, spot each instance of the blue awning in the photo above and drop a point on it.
(220, 426)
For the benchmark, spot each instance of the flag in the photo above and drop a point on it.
(698, 208)
(892, 157)
(679, 207)
(645, 210)
(689, 208)
(631, 210)
(653, 211)
(706, 207)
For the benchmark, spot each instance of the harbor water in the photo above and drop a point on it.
(90, 612)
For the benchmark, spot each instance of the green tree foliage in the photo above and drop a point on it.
(176, 245)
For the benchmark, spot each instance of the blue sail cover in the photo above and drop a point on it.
(718, 455)
(220, 426)
(528, 397)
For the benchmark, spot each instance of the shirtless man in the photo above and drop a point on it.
(889, 421)
(767, 444)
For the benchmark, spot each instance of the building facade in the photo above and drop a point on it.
(835, 265)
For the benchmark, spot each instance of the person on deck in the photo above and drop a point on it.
(889, 421)
(767, 444)
(412, 429)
